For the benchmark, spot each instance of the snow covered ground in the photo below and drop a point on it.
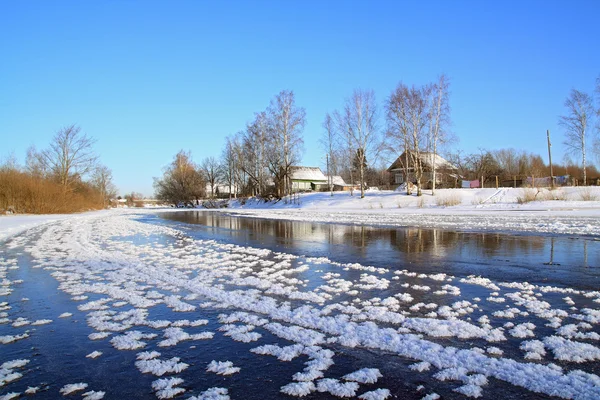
(474, 209)
(151, 290)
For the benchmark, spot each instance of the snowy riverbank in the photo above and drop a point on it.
(495, 210)
(474, 209)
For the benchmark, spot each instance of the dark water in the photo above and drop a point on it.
(57, 351)
(558, 261)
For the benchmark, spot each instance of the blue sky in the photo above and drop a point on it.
(147, 78)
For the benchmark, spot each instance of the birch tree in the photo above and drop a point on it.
(407, 115)
(287, 124)
(439, 121)
(329, 142)
(360, 121)
(229, 166)
(255, 152)
(577, 124)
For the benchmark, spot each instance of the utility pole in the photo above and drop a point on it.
(550, 160)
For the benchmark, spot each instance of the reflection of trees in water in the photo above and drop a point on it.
(433, 243)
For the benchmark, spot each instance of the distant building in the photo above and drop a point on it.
(306, 178)
(403, 170)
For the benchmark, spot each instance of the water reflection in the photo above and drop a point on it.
(558, 260)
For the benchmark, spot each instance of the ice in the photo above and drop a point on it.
(422, 366)
(222, 367)
(93, 395)
(165, 388)
(470, 391)
(365, 375)
(147, 355)
(12, 338)
(287, 353)
(215, 393)
(298, 389)
(65, 315)
(337, 388)
(160, 367)
(567, 350)
(94, 354)
(377, 394)
(41, 322)
(257, 292)
(131, 340)
(72, 388)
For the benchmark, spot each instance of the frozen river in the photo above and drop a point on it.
(206, 305)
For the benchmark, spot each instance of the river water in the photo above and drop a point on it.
(570, 261)
(48, 273)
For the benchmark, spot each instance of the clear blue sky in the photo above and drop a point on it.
(147, 78)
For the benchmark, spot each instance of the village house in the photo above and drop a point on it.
(306, 178)
(403, 170)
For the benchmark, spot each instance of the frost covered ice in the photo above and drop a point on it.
(305, 312)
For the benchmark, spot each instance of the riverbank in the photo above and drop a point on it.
(496, 210)
(499, 210)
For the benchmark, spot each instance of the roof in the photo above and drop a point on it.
(427, 159)
(312, 174)
(338, 180)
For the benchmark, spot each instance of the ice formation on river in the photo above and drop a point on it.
(460, 331)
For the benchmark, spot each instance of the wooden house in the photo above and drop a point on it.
(306, 178)
(403, 170)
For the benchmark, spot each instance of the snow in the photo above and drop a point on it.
(365, 375)
(72, 388)
(271, 300)
(479, 209)
(215, 393)
(222, 367)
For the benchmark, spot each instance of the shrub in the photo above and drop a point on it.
(24, 193)
(528, 195)
(587, 195)
(555, 194)
(421, 202)
(448, 200)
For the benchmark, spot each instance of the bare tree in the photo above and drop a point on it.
(210, 167)
(439, 121)
(286, 142)
(34, 163)
(509, 160)
(576, 124)
(329, 141)
(360, 122)
(70, 155)
(255, 152)
(407, 112)
(229, 165)
(182, 181)
(102, 181)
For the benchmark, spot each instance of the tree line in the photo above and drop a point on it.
(358, 139)
(64, 177)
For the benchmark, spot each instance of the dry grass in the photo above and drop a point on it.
(448, 200)
(421, 202)
(528, 195)
(23, 193)
(477, 200)
(587, 194)
(555, 194)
